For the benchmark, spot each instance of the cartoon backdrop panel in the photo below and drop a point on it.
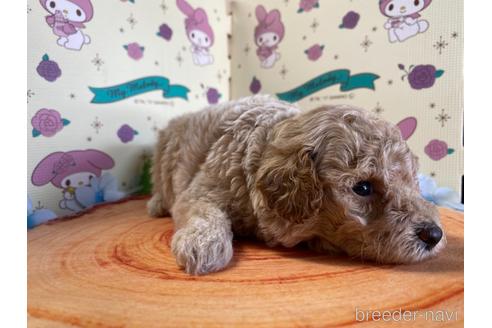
(402, 59)
(103, 76)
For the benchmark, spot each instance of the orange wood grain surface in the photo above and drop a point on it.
(113, 268)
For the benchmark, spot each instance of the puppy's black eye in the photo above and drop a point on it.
(274, 38)
(390, 8)
(416, 3)
(260, 40)
(67, 183)
(52, 4)
(192, 35)
(363, 188)
(78, 12)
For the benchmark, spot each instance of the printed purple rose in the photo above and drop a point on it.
(134, 50)
(437, 149)
(213, 95)
(47, 122)
(165, 32)
(314, 52)
(423, 76)
(350, 20)
(48, 69)
(126, 133)
(255, 86)
(307, 5)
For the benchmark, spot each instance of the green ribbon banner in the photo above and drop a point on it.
(133, 88)
(341, 76)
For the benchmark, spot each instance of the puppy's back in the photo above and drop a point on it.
(183, 146)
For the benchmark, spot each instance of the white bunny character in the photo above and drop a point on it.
(404, 22)
(66, 19)
(199, 33)
(268, 34)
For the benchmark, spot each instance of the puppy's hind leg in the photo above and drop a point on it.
(202, 242)
(156, 205)
(155, 208)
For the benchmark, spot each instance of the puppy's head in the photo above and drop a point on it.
(348, 181)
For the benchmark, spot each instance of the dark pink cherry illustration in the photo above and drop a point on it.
(165, 32)
(213, 96)
(314, 52)
(350, 20)
(255, 86)
(126, 133)
(134, 50)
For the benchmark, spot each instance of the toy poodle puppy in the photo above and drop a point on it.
(337, 177)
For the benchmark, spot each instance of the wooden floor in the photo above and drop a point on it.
(113, 268)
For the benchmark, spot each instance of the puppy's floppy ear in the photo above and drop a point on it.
(289, 182)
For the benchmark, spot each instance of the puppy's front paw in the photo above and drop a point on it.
(201, 249)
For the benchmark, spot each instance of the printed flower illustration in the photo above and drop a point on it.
(126, 133)
(48, 69)
(350, 20)
(307, 5)
(165, 32)
(314, 52)
(437, 149)
(255, 86)
(421, 76)
(213, 96)
(134, 50)
(47, 122)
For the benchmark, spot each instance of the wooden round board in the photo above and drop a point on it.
(113, 267)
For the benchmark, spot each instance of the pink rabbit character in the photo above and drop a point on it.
(66, 19)
(404, 22)
(69, 171)
(199, 33)
(268, 34)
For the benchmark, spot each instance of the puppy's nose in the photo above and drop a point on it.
(430, 234)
